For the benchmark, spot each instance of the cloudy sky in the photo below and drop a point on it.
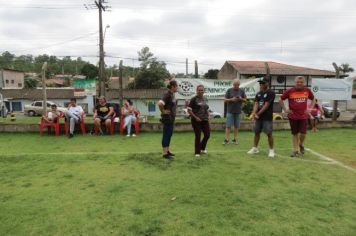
(311, 33)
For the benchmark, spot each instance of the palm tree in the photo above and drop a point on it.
(346, 68)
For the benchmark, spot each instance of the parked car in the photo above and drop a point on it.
(328, 110)
(36, 108)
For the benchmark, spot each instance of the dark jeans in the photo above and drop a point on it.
(167, 134)
(200, 127)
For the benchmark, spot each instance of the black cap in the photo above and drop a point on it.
(263, 80)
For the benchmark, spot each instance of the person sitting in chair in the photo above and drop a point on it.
(73, 115)
(103, 114)
(52, 115)
(128, 112)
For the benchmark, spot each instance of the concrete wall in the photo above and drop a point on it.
(12, 79)
(147, 127)
(227, 72)
(351, 105)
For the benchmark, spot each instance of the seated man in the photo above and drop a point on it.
(73, 115)
(52, 115)
(103, 114)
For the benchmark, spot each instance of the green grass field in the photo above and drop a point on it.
(122, 186)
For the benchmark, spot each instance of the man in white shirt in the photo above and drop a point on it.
(73, 115)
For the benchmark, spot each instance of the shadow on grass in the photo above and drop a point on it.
(180, 162)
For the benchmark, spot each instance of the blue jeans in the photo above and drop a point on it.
(167, 134)
(233, 119)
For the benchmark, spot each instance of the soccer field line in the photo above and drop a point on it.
(326, 158)
(304, 160)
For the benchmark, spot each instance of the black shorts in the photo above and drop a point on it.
(263, 125)
(102, 119)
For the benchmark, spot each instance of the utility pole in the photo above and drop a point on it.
(44, 68)
(337, 70)
(100, 5)
(186, 67)
(196, 74)
(121, 95)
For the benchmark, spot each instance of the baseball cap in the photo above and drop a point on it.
(263, 80)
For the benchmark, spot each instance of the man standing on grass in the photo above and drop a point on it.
(234, 98)
(297, 112)
(262, 114)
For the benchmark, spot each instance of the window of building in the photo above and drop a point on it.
(7, 81)
(152, 107)
(12, 81)
(19, 85)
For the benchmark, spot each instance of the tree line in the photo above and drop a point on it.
(150, 74)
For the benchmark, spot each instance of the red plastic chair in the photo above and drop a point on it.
(136, 124)
(55, 124)
(81, 124)
(112, 126)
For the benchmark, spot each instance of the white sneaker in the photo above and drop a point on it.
(133, 135)
(197, 155)
(271, 153)
(203, 152)
(253, 151)
(128, 135)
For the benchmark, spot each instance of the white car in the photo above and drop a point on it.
(36, 108)
(213, 114)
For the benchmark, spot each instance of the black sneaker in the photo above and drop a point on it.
(70, 136)
(225, 142)
(302, 149)
(171, 154)
(167, 156)
(234, 141)
(294, 154)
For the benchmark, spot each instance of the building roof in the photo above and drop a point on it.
(136, 93)
(8, 69)
(36, 94)
(258, 68)
(59, 82)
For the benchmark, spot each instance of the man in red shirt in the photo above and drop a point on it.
(298, 113)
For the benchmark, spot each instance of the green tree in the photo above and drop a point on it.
(346, 68)
(6, 59)
(90, 71)
(211, 74)
(152, 72)
(146, 57)
(30, 82)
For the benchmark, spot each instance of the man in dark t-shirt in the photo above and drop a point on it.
(298, 113)
(262, 115)
(103, 114)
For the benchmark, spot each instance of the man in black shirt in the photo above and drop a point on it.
(262, 114)
(103, 114)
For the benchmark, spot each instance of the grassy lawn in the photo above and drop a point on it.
(121, 186)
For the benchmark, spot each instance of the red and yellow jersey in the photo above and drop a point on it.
(298, 102)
